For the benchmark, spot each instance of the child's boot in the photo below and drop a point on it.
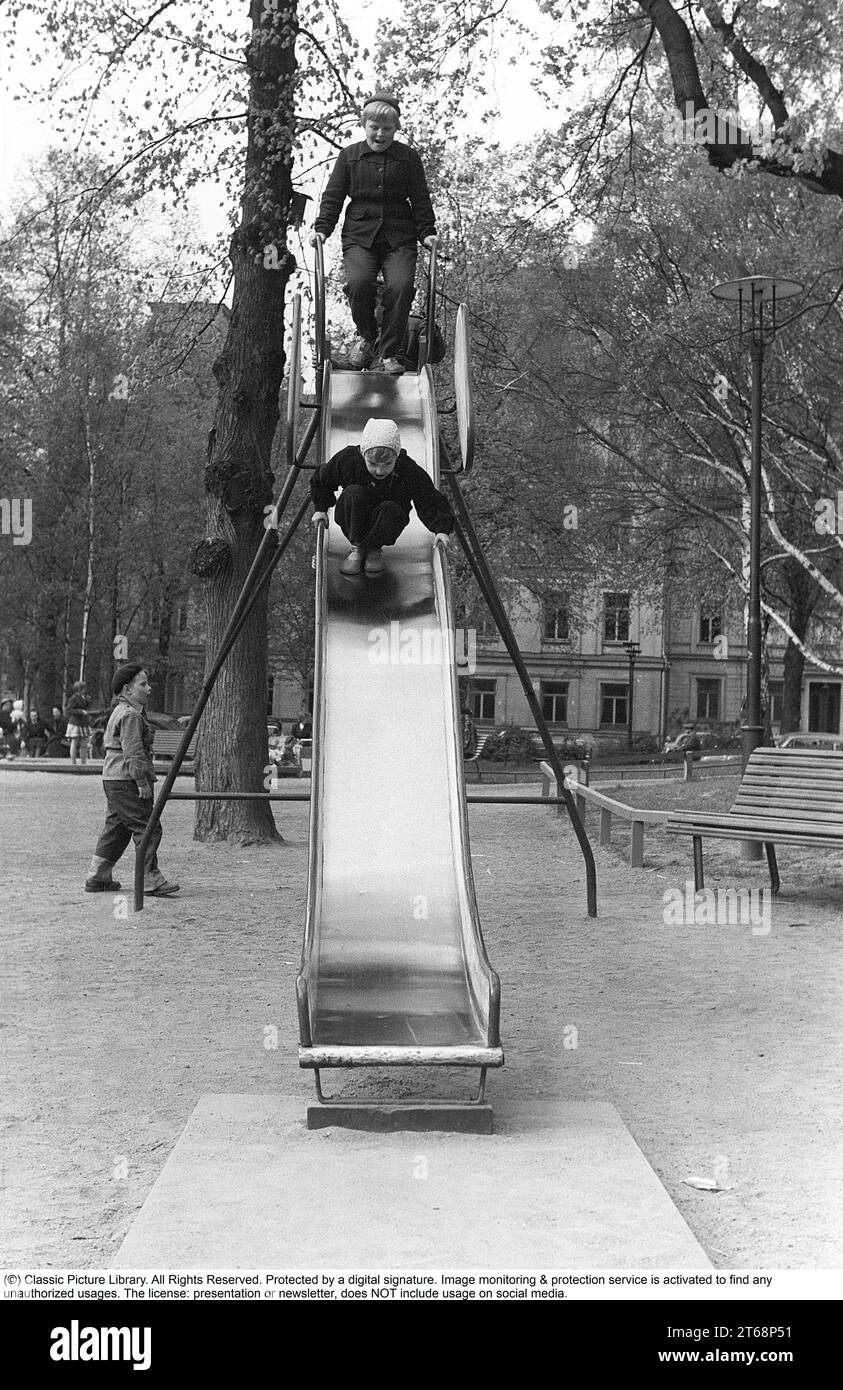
(99, 878)
(353, 562)
(374, 563)
(157, 886)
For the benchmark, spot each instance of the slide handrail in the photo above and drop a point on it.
(463, 388)
(430, 320)
(319, 311)
(294, 382)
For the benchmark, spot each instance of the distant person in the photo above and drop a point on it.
(389, 211)
(19, 719)
(36, 735)
(78, 723)
(380, 482)
(303, 726)
(57, 729)
(128, 777)
(469, 734)
(8, 732)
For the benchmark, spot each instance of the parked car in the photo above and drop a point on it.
(831, 742)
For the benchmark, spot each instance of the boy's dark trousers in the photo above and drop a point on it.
(128, 813)
(362, 264)
(367, 520)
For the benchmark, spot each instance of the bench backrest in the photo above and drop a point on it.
(797, 784)
(166, 743)
(480, 745)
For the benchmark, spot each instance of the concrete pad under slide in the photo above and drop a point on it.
(561, 1185)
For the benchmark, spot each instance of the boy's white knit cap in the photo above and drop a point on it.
(381, 434)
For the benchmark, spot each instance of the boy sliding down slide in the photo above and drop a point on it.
(380, 482)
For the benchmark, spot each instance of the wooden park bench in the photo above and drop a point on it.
(166, 743)
(474, 759)
(787, 796)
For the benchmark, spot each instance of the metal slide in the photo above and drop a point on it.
(394, 970)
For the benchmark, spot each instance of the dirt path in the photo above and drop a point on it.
(715, 1043)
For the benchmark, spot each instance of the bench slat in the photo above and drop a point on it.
(803, 815)
(166, 743)
(832, 788)
(818, 806)
(777, 770)
(800, 755)
(829, 786)
(828, 825)
(773, 777)
(777, 837)
(772, 796)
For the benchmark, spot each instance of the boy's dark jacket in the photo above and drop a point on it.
(388, 192)
(407, 484)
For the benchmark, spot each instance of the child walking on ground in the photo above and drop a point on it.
(127, 780)
(380, 482)
(389, 212)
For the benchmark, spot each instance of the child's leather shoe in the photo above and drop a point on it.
(353, 562)
(374, 563)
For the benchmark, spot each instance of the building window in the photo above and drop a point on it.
(708, 699)
(711, 627)
(613, 705)
(776, 701)
(616, 617)
(555, 619)
(554, 697)
(481, 699)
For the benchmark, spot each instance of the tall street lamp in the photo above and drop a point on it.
(757, 297)
(632, 649)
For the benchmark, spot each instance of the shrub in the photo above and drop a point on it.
(645, 743)
(570, 747)
(609, 747)
(510, 743)
(727, 735)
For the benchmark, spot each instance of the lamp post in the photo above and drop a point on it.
(757, 297)
(632, 649)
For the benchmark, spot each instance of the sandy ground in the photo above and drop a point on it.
(719, 1046)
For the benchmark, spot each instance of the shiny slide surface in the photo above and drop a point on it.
(394, 969)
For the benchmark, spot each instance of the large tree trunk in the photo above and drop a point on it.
(238, 478)
(794, 665)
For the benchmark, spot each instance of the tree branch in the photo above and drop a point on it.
(754, 70)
